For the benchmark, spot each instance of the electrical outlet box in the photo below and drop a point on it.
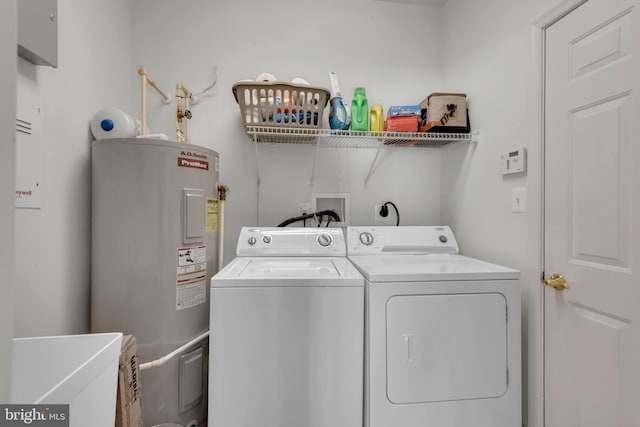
(376, 214)
(304, 208)
(514, 161)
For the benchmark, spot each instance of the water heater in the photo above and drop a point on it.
(154, 246)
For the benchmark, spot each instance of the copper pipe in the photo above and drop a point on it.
(183, 114)
(187, 109)
(179, 113)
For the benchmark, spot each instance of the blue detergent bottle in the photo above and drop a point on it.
(338, 112)
(359, 110)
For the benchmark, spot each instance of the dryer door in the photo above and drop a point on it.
(446, 347)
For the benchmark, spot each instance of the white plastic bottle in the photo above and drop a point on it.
(114, 123)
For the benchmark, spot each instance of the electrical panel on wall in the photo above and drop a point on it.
(29, 146)
(514, 161)
(38, 31)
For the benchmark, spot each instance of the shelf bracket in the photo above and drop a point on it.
(315, 162)
(373, 166)
(475, 137)
(255, 144)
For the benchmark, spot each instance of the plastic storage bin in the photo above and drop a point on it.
(276, 104)
(79, 370)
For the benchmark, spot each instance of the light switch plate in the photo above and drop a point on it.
(519, 200)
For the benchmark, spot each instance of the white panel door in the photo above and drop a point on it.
(592, 211)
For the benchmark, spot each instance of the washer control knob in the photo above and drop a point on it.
(443, 238)
(251, 241)
(266, 239)
(366, 238)
(324, 239)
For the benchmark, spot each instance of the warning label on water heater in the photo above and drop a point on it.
(191, 277)
(212, 215)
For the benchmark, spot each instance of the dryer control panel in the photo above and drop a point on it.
(401, 240)
(286, 241)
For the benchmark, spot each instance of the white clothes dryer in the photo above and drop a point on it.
(442, 341)
(287, 332)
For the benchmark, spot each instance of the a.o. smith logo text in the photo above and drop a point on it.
(193, 154)
(36, 415)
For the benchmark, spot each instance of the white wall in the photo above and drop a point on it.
(7, 187)
(53, 243)
(378, 45)
(97, 43)
(393, 50)
(489, 54)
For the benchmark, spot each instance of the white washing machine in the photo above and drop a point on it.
(442, 341)
(287, 332)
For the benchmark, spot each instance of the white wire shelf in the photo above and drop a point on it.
(354, 139)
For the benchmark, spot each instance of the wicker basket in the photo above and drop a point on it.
(282, 105)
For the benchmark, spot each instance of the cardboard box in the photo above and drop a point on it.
(128, 405)
(404, 110)
(403, 124)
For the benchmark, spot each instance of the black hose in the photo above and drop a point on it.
(332, 215)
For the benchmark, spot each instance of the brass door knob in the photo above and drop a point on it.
(557, 282)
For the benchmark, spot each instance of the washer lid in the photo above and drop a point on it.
(428, 267)
(288, 271)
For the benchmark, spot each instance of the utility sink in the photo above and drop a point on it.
(79, 370)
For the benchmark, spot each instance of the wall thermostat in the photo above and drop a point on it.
(514, 161)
